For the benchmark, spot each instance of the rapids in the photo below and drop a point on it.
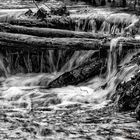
(21, 98)
(27, 110)
(24, 88)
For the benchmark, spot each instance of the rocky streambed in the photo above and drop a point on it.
(72, 122)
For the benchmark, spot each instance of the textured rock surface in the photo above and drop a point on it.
(128, 93)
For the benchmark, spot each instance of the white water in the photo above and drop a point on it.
(105, 21)
(21, 88)
(22, 91)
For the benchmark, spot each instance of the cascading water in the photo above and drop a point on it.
(14, 87)
(21, 91)
(54, 66)
(105, 22)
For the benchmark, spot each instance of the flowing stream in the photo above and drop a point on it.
(24, 103)
(72, 112)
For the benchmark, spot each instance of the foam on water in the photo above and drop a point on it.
(23, 91)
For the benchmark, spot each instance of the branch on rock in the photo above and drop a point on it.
(79, 74)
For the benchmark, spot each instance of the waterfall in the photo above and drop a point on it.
(26, 107)
(24, 88)
(20, 68)
(110, 23)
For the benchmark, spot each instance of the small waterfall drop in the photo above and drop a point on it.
(24, 88)
(25, 83)
(82, 111)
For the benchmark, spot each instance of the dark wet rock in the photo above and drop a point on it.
(44, 109)
(60, 10)
(128, 94)
(73, 106)
(92, 120)
(32, 130)
(138, 112)
(59, 130)
(46, 132)
(135, 59)
(29, 13)
(41, 13)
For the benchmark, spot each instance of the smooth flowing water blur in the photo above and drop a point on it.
(28, 111)
(14, 87)
(72, 112)
(104, 21)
